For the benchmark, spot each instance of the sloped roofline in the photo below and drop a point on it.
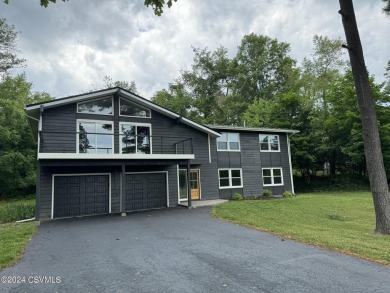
(122, 92)
(256, 129)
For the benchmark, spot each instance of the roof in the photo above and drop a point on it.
(33, 110)
(255, 129)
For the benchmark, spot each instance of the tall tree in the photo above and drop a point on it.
(108, 82)
(8, 48)
(372, 143)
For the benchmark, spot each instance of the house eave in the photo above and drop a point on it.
(253, 129)
(71, 156)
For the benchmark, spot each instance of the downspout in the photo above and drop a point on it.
(289, 159)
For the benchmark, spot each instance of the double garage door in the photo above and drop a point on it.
(82, 195)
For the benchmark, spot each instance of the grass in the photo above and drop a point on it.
(15, 236)
(339, 221)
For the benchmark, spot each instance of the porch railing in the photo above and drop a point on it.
(109, 143)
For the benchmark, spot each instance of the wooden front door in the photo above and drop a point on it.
(195, 186)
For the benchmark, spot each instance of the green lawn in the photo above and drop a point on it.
(340, 221)
(15, 236)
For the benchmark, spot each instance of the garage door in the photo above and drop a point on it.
(81, 195)
(145, 191)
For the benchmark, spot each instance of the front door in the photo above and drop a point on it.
(195, 189)
(194, 183)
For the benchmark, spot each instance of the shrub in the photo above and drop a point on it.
(237, 196)
(15, 211)
(287, 194)
(266, 193)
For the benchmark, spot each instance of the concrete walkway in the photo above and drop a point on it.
(203, 203)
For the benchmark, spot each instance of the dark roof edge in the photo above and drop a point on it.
(256, 129)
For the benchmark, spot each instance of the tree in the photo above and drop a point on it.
(372, 144)
(386, 9)
(17, 146)
(109, 83)
(8, 49)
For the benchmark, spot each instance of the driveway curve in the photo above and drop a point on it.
(180, 250)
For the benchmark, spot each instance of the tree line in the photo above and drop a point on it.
(262, 86)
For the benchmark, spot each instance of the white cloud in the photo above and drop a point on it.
(71, 46)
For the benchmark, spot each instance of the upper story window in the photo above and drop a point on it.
(269, 143)
(99, 106)
(95, 137)
(135, 138)
(228, 141)
(130, 109)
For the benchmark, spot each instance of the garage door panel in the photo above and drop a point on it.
(81, 195)
(145, 191)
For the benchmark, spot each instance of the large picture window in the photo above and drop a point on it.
(230, 178)
(99, 106)
(95, 137)
(269, 143)
(228, 141)
(130, 109)
(272, 176)
(135, 138)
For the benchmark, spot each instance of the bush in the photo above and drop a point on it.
(287, 194)
(15, 211)
(237, 196)
(266, 193)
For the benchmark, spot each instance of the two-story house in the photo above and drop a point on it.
(112, 151)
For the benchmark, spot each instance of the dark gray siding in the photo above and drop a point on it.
(59, 127)
(251, 160)
(251, 166)
(278, 160)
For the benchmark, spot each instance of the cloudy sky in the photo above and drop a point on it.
(70, 47)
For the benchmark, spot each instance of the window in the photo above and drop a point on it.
(128, 108)
(95, 137)
(183, 191)
(99, 106)
(228, 141)
(230, 178)
(272, 176)
(269, 143)
(135, 138)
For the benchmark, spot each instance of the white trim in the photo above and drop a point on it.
(39, 133)
(97, 99)
(269, 143)
(272, 176)
(178, 184)
(208, 140)
(289, 160)
(74, 156)
(169, 113)
(80, 174)
(228, 142)
(119, 110)
(71, 100)
(230, 178)
(178, 187)
(135, 124)
(93, 121)
(154, 172)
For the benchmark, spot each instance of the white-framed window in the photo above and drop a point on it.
(135, 138)
(272, 176)
(130, 109)
(269, 143)
(230, 178)
(95, 137)
(229, 141)
(101, 106)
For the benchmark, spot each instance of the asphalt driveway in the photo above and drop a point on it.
(180, 250)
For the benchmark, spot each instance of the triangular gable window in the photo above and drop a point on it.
(99, 106)
(130, 109)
